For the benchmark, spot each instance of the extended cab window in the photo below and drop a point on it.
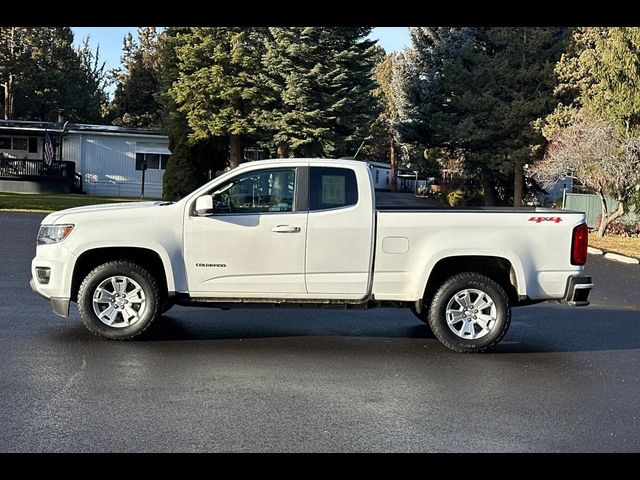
(332, 188)
(256, 192)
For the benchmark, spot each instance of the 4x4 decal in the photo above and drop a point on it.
(545, 219)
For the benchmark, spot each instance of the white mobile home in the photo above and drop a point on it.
(381, 172)
(106, 159)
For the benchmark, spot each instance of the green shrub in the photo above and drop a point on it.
(182, 175)
(455, 197)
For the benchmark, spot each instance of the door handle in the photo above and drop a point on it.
(285, 229)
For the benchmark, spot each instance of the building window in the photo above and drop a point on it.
(377, 176)
(155, 161)
(387, 178)
(13, 143)
(20, 144)
(33, 145)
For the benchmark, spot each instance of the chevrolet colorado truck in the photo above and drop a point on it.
(306, 232)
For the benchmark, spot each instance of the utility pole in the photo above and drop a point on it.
(394, 166)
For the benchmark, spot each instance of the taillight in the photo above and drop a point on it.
(579, 243)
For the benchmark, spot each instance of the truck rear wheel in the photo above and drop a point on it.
(470, 313)
(118, 300)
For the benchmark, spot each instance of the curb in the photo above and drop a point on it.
(621, 258)
(616, 257)
(25, 210)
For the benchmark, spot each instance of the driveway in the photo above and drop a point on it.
(563, 379)
(404, 199)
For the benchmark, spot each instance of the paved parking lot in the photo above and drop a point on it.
(563, 379)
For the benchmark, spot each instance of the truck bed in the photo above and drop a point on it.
(411, 241)
(446, 209)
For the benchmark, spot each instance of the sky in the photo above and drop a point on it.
(109, 39)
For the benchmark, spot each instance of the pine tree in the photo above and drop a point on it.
(91, 79)
(309, 95)
(479, 91)
(192, 162)
(322, 79)
(219, 87)
(41, 72)
(135, 103)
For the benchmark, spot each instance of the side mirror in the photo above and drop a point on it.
(204, 206)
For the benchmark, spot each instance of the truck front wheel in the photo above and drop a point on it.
(118, 300)
(470, 313)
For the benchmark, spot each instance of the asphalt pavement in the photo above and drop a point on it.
(393, 199)
(271, 380)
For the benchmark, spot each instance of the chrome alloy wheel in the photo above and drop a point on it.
(119, 301)
(471, 314)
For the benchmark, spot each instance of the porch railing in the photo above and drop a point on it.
(36, 169)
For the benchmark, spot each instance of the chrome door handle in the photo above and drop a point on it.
(285, 229)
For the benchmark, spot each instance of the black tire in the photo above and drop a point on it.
(447, 291)
(134, 272)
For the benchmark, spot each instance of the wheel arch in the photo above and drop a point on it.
(504, 271)
(147, 258)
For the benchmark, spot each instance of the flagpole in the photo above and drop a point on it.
(49, 152)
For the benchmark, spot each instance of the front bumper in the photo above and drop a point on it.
(59, 262)
(60, 306)
(577, 291)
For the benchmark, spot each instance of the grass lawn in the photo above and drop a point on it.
(629, 246)
(37, 202)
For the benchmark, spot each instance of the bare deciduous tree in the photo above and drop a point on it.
(592, 152)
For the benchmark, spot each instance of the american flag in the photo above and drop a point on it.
(49, 154)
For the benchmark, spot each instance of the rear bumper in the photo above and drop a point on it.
(577, 291)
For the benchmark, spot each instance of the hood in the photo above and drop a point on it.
(55, 217)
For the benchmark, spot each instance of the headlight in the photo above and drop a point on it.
(53, 233)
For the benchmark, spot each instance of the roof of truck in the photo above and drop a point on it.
(275, 161)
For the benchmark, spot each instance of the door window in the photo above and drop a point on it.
(266, 191)
(332, 188)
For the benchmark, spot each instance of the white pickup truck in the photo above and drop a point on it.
(307, 232)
